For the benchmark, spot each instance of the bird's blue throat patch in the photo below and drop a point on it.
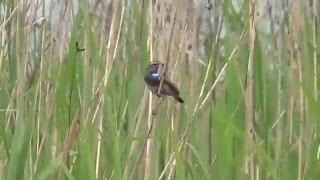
(152, 77)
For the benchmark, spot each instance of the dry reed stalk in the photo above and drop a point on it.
(139, 122)
(279, 113)
(314, 39)
(73, 131)
(295, 25)
(113, 41)
(138, 118)
(153, 111)
(302, 128)
(112, 48)
(249, 163)
(99, 114)
(40, 137)
(219, 77)
(197, 108)
(149, 142)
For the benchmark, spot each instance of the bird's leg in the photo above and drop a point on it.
(160, 100)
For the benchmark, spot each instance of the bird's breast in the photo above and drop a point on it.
(152, 77)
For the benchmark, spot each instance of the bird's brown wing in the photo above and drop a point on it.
(172, 90)
(172, 86)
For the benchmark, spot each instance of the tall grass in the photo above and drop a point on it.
(74, 105)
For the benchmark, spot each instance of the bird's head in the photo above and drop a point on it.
(154, 65)
(153, 72)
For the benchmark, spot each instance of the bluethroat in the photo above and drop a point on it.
(153, 80)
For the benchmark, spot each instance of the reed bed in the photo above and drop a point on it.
(74, 105)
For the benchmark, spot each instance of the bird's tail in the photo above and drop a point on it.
(179, 99)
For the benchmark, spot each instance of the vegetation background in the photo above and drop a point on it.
(247, 70)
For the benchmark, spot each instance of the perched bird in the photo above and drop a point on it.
(153, 80)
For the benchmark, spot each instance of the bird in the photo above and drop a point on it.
(153, 81)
